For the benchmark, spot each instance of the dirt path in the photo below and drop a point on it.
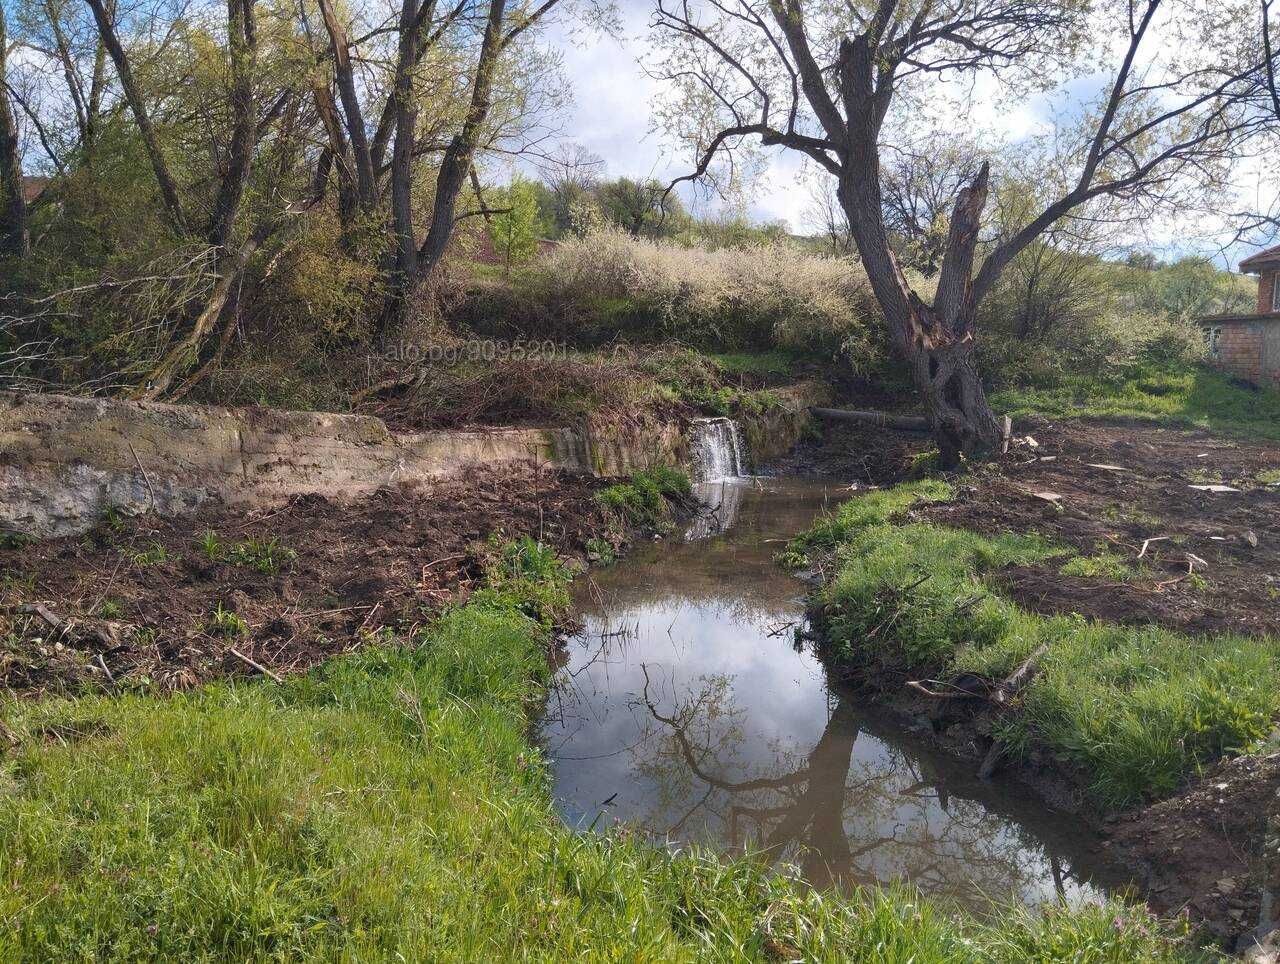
(307, 580)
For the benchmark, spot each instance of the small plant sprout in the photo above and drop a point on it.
(209, 546)
(224, 622)
(267, 557)
(153, 555)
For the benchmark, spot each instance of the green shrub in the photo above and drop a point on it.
(645, 499)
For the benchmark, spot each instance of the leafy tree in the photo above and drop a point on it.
(642, 208)
(516, 228)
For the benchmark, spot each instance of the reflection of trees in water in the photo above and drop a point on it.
(710, 572)
(714, 585)
(843, 820)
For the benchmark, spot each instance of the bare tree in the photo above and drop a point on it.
(571, 173)
(822, 79)
(920, 185)
(13, 202)
(824, 211)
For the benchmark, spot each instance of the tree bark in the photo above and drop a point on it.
(936, 341)
(133, 97)
(458, 156)
(14, 237)
(406, 120)
(243, 43)
(366, 184)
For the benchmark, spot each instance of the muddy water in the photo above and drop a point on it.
(686, 711)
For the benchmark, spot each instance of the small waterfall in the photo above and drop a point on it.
(717, 449)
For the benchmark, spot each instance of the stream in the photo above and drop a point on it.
(684, 710)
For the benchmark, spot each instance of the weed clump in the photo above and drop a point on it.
(646, 498)
(527, 576)
(267, 556)
(224, 622)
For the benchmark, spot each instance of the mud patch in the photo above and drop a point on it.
(170, 603)
(862, 454)
(1201, 851)
(1123, 496)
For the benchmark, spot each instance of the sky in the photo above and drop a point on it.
(611, 117)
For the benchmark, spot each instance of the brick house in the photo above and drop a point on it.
(1249, 345)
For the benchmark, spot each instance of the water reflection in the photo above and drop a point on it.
(685, 710)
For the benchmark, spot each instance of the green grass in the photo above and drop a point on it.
(1104, 565)
(1138, 709)
(770, 364)
(267, 556)
(388, 806)
(644, 500)
(153, 555)
(1192, 397)
(223, 622)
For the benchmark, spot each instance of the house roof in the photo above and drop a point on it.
(1267, 256)
(33, 186)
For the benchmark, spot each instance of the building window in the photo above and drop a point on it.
(1275, 291)
(1212, 341)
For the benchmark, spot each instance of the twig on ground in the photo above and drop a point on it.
(151, 492)
(255, 664)
(1147, 544)
(1016, 680)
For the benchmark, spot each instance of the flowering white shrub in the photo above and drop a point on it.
(759, 296)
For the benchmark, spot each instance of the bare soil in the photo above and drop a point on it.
(1190, 559)
(1201, 851)
(1199, 561)
(136, 598)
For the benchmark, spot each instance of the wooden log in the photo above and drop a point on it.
(1016, 680)
(899, 423)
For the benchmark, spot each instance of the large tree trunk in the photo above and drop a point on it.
(406, 120)
(13, 204)
(243, 43)
(450, 178)
(945, 373)
(936, 341)
(103, 15)
(460, 153)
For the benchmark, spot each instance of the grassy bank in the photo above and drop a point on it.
(1183, 395)
(1136, 709)
(389, 805)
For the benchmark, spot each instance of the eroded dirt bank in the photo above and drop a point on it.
(1168, 543)
(139, 598)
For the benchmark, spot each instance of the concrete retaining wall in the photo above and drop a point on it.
(65, 460)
